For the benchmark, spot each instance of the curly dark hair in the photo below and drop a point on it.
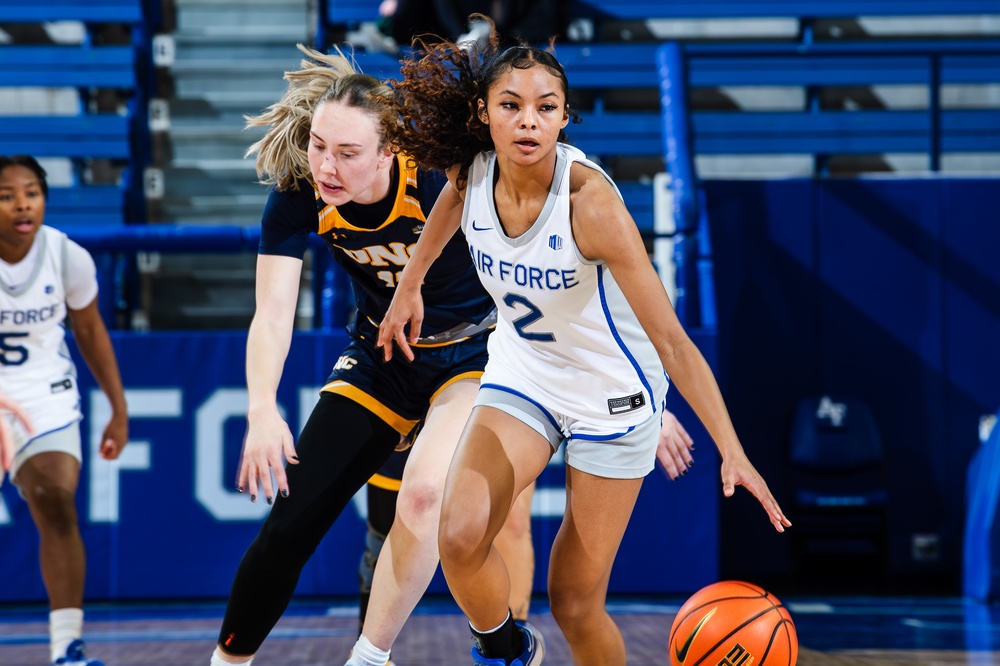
(438, 96)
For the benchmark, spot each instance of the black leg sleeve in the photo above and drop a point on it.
(340, 448)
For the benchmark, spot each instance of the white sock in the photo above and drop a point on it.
(65, 626)
(217, 660)
(366, 654)
(496, 628)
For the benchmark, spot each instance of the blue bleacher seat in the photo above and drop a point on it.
(94, 11)
(119, 136)
(84, 205)
(73, 66)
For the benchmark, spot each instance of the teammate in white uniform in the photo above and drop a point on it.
(45, 278)
(585, 333)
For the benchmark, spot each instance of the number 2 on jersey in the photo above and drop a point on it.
(522, 322)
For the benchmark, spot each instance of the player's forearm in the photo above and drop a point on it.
(268, 342)
(442, 223)
(99, 354)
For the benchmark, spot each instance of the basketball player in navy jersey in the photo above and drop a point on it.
(585, 345)
(47, 280)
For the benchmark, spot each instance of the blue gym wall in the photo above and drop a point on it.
(166, 522)
(886, 289)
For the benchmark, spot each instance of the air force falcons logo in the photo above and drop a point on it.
(555, 242)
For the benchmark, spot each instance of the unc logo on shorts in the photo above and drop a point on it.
(345, 363)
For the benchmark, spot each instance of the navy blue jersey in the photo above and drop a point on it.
(374, 251)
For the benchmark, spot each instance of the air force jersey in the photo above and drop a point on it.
(35, 365)
(566, 338)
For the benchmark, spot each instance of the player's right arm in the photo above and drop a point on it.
(268, 439)
(407, 304)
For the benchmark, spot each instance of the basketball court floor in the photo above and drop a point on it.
(833, 631)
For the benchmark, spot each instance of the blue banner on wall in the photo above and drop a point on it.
(165, 521)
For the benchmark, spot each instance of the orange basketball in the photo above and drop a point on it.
(732, 623)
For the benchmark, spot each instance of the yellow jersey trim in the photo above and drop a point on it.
(404, 204)
(400, 424)
(384, 482)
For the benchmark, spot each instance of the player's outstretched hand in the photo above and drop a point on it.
(407, 307)
(6, 438)
(268, 441)
(674, 448)
(740, 472)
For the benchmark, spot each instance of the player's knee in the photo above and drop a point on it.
(419, 504)
(54, 507)
(571, 603)
(280, 544)
(461, 539)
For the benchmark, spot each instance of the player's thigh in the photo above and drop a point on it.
(432, 452)
(497, 457)
(49, 462)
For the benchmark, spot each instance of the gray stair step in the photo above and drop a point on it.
(245, 214)
(225, 94)
(197, 49)
(202, 291)
(214, 146)
(230, 58)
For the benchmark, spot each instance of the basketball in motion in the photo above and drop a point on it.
(732, 623)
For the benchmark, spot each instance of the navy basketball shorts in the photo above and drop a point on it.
(400, 391)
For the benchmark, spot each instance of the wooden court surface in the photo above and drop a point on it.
(866, 631)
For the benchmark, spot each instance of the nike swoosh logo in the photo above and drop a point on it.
(475, 228)
(682, 651)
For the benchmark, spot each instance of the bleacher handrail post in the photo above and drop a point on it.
(680, 165)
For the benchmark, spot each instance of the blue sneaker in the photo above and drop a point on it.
(75, 657)
(534, 645)
(534, 649)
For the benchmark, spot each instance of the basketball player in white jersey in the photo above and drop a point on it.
(45, 279)
(585, 345)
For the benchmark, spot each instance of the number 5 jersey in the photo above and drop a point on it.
(35, 366)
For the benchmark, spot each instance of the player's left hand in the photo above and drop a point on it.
(115, 437)
(673, 450)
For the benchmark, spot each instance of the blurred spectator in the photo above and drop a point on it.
(401, 20)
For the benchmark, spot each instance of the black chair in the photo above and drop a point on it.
(836, 472)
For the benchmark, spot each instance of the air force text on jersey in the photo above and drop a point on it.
(529, 277)
(30, 315)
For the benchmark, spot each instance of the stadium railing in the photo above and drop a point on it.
(115, 249)
(119, 136)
